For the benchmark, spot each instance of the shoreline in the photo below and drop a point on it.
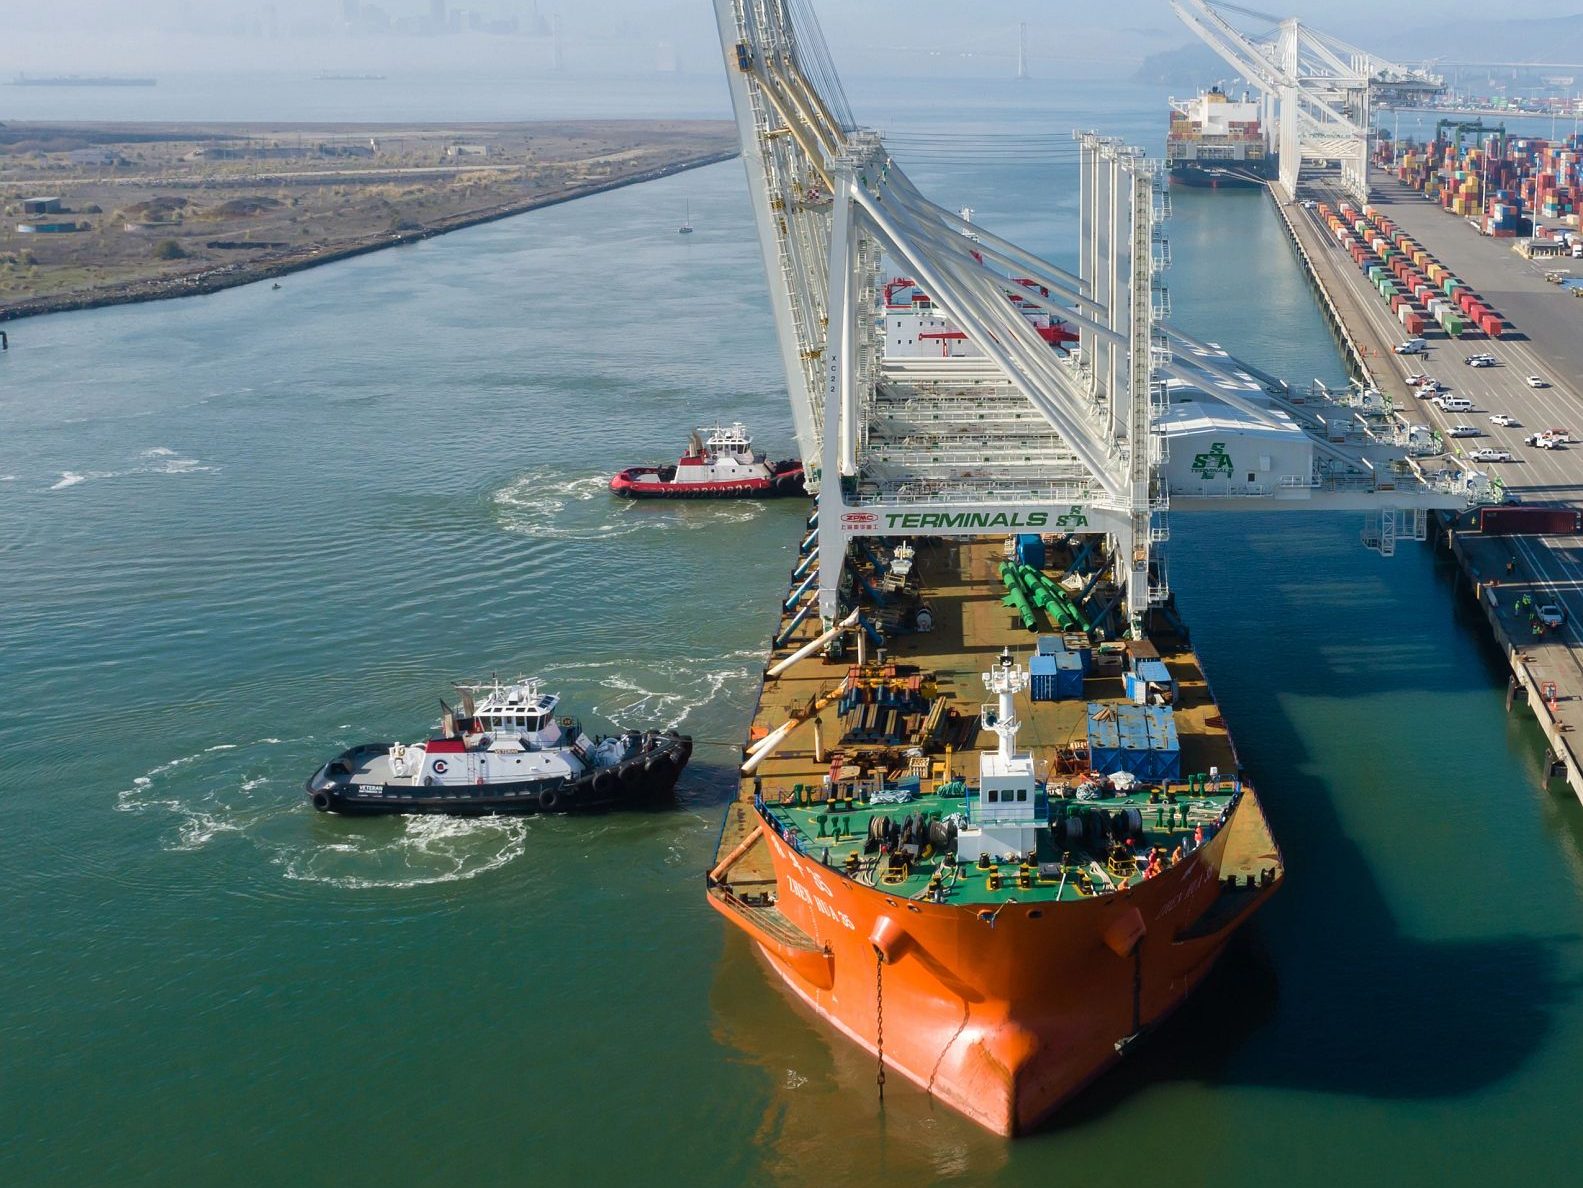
(232, 276)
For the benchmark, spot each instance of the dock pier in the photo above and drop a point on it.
(1509, 576)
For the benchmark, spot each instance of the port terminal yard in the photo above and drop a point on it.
(1510, 573)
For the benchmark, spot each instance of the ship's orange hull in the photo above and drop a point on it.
(1002, 1014)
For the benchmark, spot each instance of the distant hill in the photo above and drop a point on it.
(1557, 39)
(1540, 39)
(1189, 68)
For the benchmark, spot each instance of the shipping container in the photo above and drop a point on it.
(1530, 521)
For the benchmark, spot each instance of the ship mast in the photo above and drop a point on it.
(1006, 679)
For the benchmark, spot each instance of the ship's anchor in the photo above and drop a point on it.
(879, 1020)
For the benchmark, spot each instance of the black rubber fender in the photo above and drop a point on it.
(549, 800)
(321, 801)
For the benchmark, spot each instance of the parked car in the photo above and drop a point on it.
(1466, 431)
(1535, 382)
(1482, 361)
(1490, 454)
(1413, 346)
(1418, 379)
(1505, 419)
(1543, 441)
(1551, 615)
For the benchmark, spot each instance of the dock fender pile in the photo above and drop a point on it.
(889, 938)
(1125, 931)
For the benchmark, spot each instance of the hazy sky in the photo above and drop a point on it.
(889, 36)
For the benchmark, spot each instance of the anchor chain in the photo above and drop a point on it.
(879, 1021)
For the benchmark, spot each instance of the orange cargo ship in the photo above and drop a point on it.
(996, 924)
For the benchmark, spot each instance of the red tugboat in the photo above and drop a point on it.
(722, 465)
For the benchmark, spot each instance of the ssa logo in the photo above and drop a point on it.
(853, 521)
(1072, 519)
(1215, 462)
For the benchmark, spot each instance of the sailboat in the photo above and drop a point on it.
(687, 221)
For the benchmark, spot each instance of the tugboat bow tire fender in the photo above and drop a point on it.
(549, 800)
(605, 781)
(321, 801)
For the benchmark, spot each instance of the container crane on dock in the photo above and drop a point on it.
(1103, 439)
(1319, 91)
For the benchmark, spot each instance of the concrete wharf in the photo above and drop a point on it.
(1507, 575)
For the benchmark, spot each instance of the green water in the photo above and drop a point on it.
(242, 532)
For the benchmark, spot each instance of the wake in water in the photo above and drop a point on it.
(425, 850)
(238, 791)
(549, 507)
(536, 505)
(664, 694)
(159, 460)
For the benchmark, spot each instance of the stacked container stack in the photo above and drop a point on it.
(1504, 187)
(1416, 286)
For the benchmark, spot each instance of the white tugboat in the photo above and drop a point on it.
(508, 753)
(720, 463)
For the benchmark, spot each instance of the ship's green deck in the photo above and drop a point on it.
(832, 833)
(971, 627)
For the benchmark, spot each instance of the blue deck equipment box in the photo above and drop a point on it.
(1030, 549)
(1057, 677)
(1141, 740)
(1148, 678)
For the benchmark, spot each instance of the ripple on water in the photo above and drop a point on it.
(238, 791)
(158, 460)
(424, 850)
(561, 507)
(660, 694)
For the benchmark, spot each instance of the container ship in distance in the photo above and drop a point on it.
(1217, 142)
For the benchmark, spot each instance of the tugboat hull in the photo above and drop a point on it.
(645, 778)
(649, 482)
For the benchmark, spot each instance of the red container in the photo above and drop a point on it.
(1414, 324)
(1530, 521)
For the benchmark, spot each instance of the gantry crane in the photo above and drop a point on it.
(1016, 436)
(1319, 91)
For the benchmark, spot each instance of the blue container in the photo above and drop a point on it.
(1132, 729)
(1030, 549)
(1164, 744)
(1044, 678)
(1068, 677)
(1077, 643)
(1048, 645)
(1104, 740)
(1144, 674)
